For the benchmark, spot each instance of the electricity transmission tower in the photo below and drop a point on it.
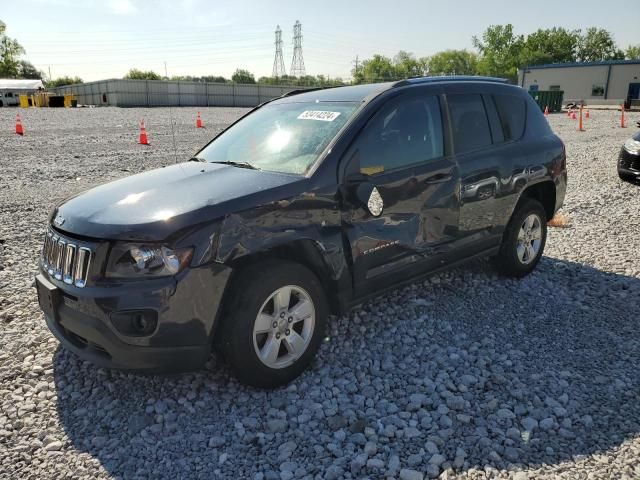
(278, 61)
(297, 64)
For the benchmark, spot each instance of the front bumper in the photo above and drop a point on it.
(187, 308)
(629, 164)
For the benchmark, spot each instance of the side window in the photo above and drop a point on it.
(404, 132)
(469, 122)
(512, 111)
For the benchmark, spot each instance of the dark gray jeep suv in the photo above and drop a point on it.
(306, 206)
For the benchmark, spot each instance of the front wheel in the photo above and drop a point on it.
(274, 323)
(523, 240)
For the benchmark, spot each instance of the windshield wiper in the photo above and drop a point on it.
(197, 159)
(238, 164)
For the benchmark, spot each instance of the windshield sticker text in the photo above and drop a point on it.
(323, 116)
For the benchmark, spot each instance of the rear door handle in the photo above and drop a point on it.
(438, 178)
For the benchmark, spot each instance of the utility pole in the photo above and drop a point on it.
(297, 64)
(356, 62)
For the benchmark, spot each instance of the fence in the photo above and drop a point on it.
(159, 93)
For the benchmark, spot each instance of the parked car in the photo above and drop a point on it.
(629, 159)
(305, 207)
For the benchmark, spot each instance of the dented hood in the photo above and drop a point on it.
(154, 205)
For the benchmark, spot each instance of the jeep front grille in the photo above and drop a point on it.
(65, 260)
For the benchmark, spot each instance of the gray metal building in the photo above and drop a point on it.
(595, 83)
(159, 93)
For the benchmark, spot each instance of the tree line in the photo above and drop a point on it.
(240, 76)
(499, 52)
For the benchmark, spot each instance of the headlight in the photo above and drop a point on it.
(132, 260)
(632, 146)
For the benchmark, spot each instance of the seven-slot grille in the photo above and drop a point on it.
(65, 260)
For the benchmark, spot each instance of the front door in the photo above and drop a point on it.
(412, 209)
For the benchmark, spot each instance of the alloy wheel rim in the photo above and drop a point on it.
(284, 326)
(529, 239)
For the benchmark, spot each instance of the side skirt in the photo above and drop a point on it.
(350, 304)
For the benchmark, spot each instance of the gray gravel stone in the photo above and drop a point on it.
(481, 370)
(408, 474)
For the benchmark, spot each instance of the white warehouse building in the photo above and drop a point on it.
(594, 83)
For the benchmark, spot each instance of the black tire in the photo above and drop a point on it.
(252, 287)
(508, 261)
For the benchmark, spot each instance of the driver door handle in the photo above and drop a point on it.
(438, 178)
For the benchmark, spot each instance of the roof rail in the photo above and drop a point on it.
(448, 78)
(298, 91)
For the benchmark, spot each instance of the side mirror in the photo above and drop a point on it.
(369, 197)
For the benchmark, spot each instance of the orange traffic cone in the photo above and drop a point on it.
(143, 140)
(198, 121)
(573, 115)
(622, 115)
(586, 114)
(19, 129)
(546, 111)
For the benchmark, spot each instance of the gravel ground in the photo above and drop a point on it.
(466, 375)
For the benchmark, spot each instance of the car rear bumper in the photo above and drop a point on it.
(87, 321)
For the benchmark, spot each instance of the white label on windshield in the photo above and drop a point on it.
(323, 116)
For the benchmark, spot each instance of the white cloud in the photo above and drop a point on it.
(122, 7)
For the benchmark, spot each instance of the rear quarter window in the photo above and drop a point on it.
(512, 111)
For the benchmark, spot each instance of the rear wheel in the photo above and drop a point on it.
(523, 240)
(274, 323)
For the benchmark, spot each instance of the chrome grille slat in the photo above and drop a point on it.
(82, 267)
(60, 249)
(69, 257)
(65, 260)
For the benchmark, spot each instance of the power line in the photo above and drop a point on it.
(297, 64)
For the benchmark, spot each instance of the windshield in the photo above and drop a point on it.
(286, 137)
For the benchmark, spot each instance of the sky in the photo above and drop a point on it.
(103, 39)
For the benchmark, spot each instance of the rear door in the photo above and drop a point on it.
(485, 166)
(401, 152)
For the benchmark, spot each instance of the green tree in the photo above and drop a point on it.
(214, 79)
(552, 45)
(27, 70)
(453, 62)
(243, 76)
(597, 44)
(376, 69)
(406, 65)
(60, 81)
(135, 74)
(10, 51)
(500, 51)
(633, 52)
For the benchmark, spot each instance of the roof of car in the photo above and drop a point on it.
(358, 93)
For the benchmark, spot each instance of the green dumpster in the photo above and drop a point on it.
(548, 98)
